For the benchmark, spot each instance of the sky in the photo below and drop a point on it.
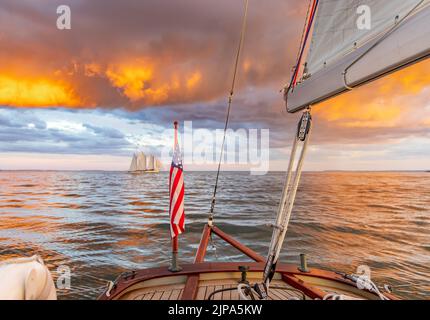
(87, 98)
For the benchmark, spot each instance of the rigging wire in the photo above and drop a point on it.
(309, 19)
(304, 31)
(230, 100)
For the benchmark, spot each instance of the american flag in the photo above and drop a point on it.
(176, 182)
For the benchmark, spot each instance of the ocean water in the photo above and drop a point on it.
(100, 224)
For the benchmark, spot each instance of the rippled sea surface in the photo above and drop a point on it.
(103, 223)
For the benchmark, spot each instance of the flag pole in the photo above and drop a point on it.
(174, 266)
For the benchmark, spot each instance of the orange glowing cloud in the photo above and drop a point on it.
(141, 56)
(246, 66)
(141, 82)
(132, 80)
(383, 103)
(354, 111)
(40, 92)
(92, 70)
(194, 80)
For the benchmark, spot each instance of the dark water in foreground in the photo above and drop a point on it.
(100, 224)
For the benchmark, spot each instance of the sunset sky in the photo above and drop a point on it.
(81, 98)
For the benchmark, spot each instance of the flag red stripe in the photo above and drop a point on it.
(178, 202)
(175, 184)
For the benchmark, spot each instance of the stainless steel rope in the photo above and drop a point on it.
(230, 100)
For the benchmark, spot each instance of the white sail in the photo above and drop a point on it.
(158, 164)
(151, 162)
(141, 161)
(344, 53)
(340, 29)
(133, 165)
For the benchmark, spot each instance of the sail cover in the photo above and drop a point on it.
(367, 38)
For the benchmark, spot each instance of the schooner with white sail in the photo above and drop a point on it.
(141, 163)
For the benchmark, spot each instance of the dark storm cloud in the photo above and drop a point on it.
(264, 108)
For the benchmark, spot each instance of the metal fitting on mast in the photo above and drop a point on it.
(304, 125)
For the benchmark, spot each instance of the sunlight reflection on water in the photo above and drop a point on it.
(103, 223)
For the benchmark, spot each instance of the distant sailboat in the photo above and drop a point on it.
(141, 163)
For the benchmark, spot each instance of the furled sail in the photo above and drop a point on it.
(133, 165)
(356, 41)
(141, 162)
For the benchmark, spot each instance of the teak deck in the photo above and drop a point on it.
(206, 289)
(199, 280)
